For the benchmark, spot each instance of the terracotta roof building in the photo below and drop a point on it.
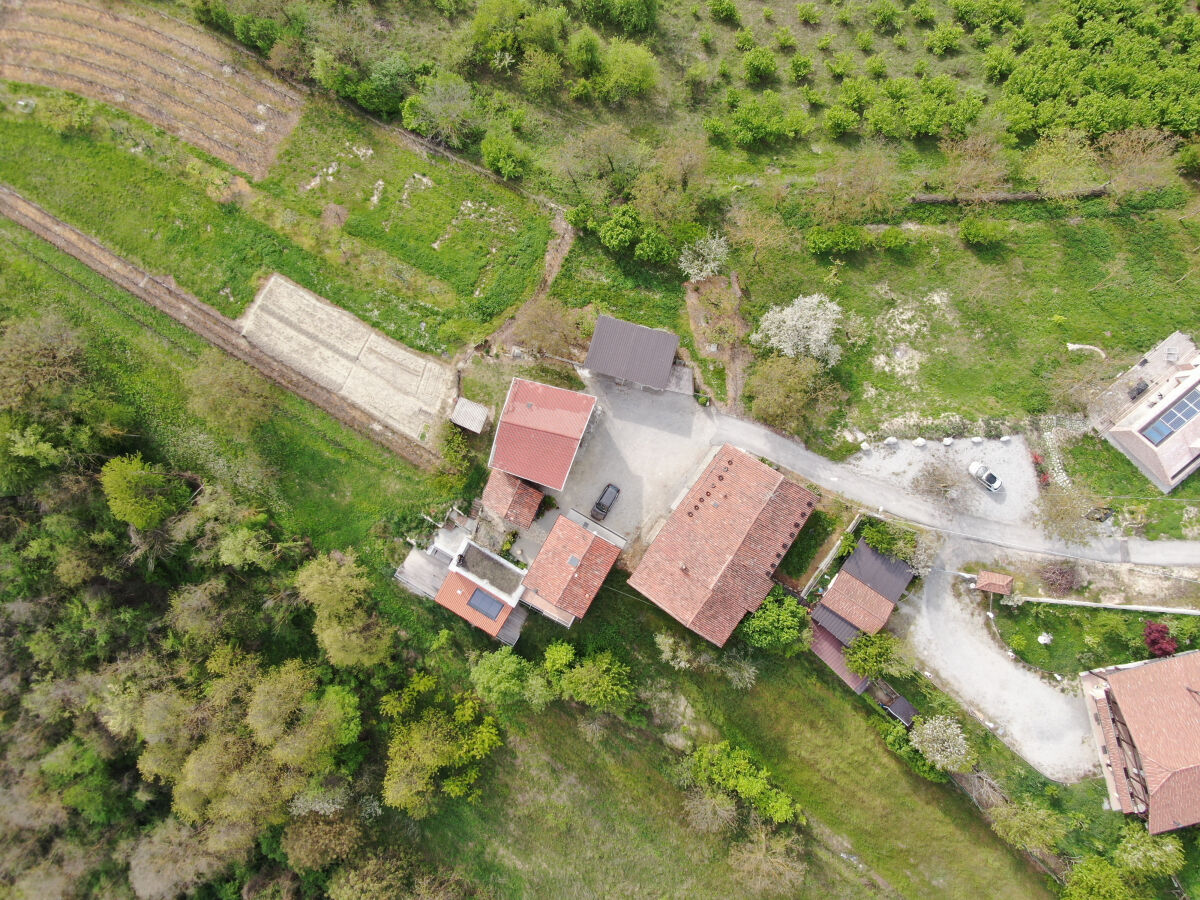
(865, 590)
(631, 352)
(539, 432)
(479, 606)
(831, 652)
(712, 561)
(1146, 721)
(568, 571)
(994, 583)
(511, 499)
(1152, 412)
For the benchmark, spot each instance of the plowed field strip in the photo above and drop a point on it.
(181, 110)
(202, 319)
(224, 93)
(136, 76)
(190, 47)
(54, 77)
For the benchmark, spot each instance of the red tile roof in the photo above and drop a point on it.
(994, 583)
(456, 590)
(1159, 701)
(539, 432)
(1116, 757)
(711, 563)
(511, 499)
(857, 603)
(831, 652)
(570, 567)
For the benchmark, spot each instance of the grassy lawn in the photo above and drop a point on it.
(821, 526)
(1084, 637)
(485, 242)
(1101, 469)
(153, 200)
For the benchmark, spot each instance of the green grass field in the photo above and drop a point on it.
(150, 199)
(1100, 468)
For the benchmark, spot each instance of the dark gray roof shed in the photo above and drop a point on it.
(902, 710)
(834, 624)
(886, 575)
(632, 352)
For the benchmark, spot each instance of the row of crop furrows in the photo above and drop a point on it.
(93, 42)
(161, 34)
(190, 124)
(133, 75)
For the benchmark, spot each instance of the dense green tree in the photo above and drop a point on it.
(779, 626)
(731, 769)
(629, 71)
(1095, 878)
(600, 681)
(585, 52)
(1028, 826)
(1148, 856)
(139, 492)
(876, 655)
(504, 153)
(336, 587)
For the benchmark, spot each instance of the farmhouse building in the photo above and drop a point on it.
(540, 431)
(567, 572)
(1152, 412)
(866, 589)
(712, 561)
(1145, 718)
(630, 352)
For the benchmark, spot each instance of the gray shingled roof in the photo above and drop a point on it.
(844, 631)
(632, 352)
(886, 575)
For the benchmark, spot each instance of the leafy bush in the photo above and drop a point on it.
(895, 736)
(876, 67)
(790, 393)
(744, 40)
(731, 769)
(946, 38)
(988, 15)
(808, 13)
(940, 740)
(628, 16)
(998, 63)
(541, 73)
(978, 231)
(826, 240)
(876, 655)
(931, 107)
(584, 52)
(801, 67)
(783, 39)
(504, 154)
(922, 13)
(761, 120)
(1188, 159)
(629, 71)
(1158, 639)
(886, 16)
(840, 65)
(841, 119)
(724, 11)
(759, 65)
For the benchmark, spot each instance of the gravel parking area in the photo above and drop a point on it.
(903, 464)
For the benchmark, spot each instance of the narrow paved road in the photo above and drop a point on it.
(947, 628)
(893, 499)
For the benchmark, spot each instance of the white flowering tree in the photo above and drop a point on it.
(703, 258)
(940, 740)
(805, 327)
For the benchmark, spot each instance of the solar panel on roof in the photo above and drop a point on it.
(485, 604)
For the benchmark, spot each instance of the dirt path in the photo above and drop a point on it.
(205, 321)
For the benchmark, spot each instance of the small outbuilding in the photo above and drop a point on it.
(865, 590)
(511, 499)
(994, 583)
(831, 652)
(630, 352)
(470, 415)
(539, 432)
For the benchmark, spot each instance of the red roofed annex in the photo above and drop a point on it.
(539, 432)
(712, 562)
(511, 499)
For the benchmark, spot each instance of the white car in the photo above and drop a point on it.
(986, 476)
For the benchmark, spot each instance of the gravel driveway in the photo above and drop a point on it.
(947, 629)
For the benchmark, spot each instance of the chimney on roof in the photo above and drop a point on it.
(682, 567)
(573, 562)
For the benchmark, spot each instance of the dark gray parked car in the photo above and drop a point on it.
(607, 498)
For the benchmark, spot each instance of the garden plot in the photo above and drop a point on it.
(402, 389)
(175, 76)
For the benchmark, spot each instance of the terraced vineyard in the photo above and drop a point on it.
(162, 70)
